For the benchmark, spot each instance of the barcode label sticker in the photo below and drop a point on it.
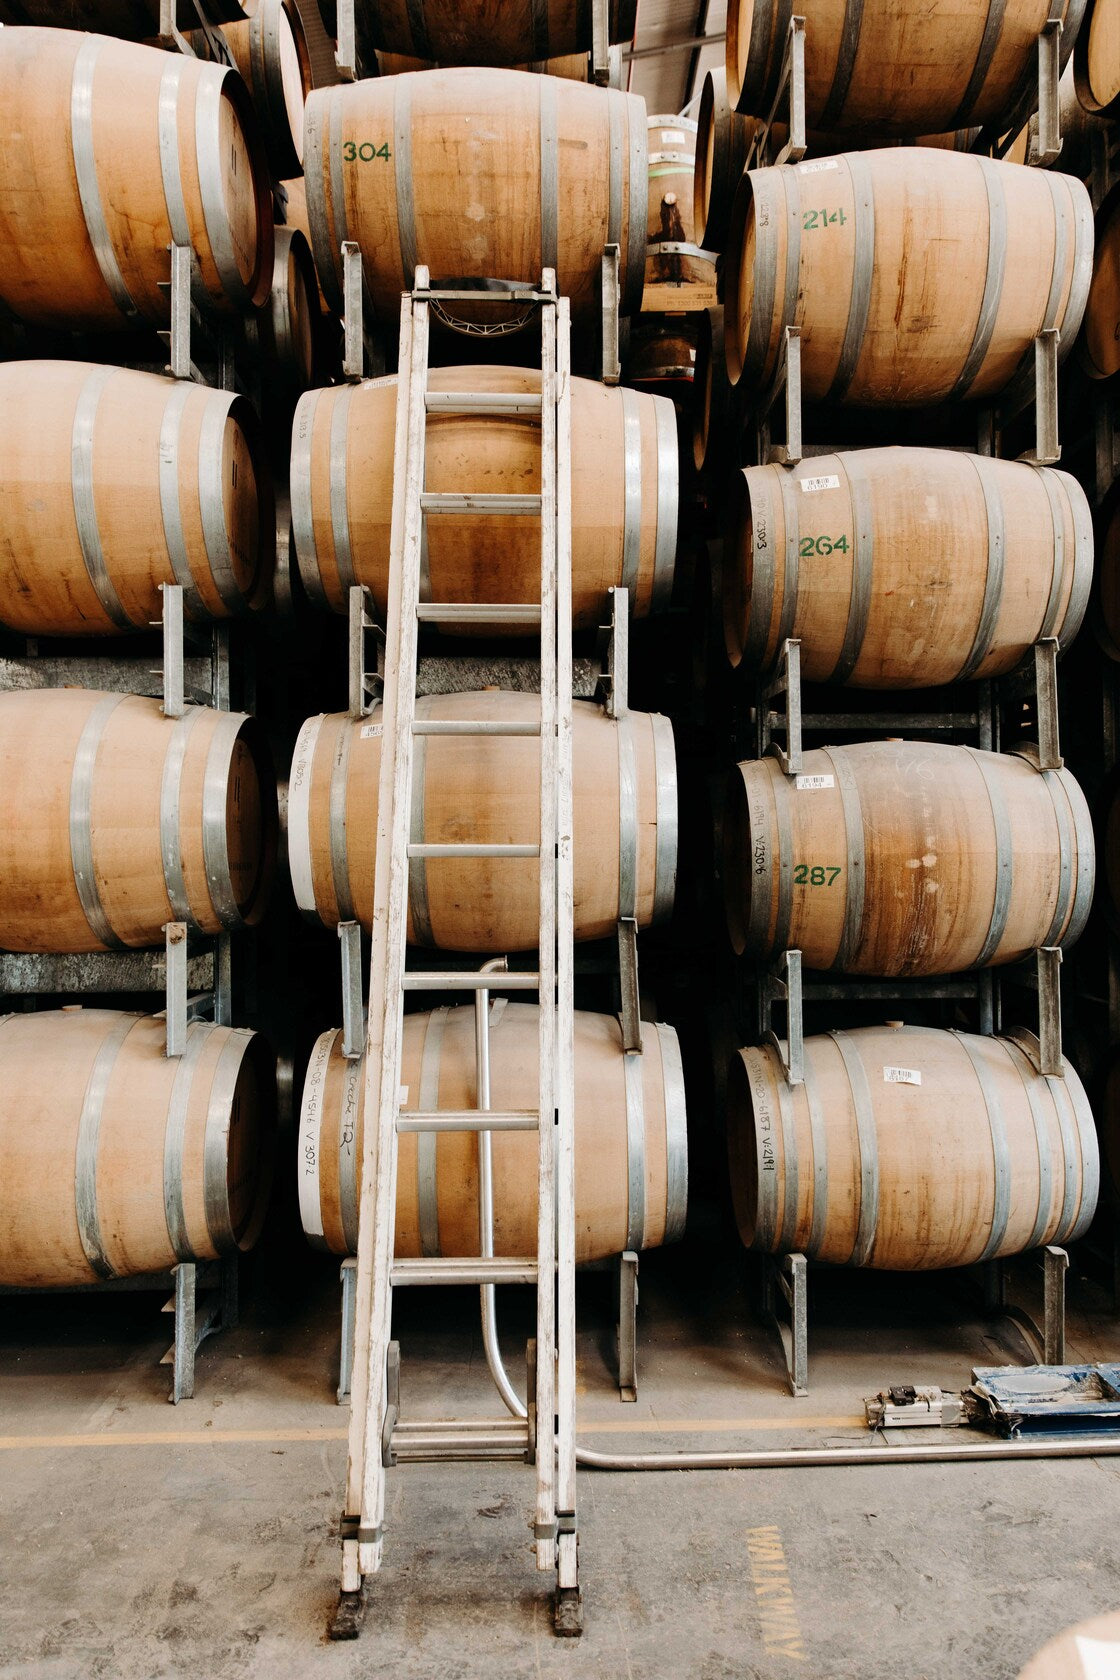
(816, 168)
(672, 137)
(827, 481)
(371, 731)
(901, 1076)
(813, 782)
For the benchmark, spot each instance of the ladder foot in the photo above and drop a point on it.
(350, 1613)
(567, 1621)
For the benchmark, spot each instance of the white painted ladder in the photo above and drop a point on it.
(377, 1437)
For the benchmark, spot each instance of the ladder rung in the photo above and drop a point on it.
(471, 849)
(483, 402)
(478, 501)
(463, 1269)
(478, 612)
(470, 1120)
(472, 726)
(460, 1438)
(468, 980)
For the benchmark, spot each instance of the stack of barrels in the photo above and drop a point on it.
(917, 275)
(122, 817)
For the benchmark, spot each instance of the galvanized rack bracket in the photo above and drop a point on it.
(610, 288)
(216, 1283)
(191, 326)
(613, 691)
(1046, 1344)
(600, 44)
(346, 56)
(171, 38)
(787, 1275)
(998, 139)
(789, 100)
(361, 352)
(1035, 383)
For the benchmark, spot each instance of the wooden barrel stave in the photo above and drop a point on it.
(878, 858)
(129, 820)
(116, 482)
(477, 32)
(1100, 338)
(119, 1160)
(177, 158)
(933, 567)
(631, 1141)
(909, 1148)
(271, 53)
(486, 788)
(624, 494)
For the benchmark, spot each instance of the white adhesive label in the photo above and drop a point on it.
(371, 731)
(813, 782)
(692, 355)
(901, 1076)
(672, 137)
(402, 1096)
(827, 481)
(816, 168)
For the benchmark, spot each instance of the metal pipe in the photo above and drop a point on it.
(488, 1307)
(633, 55)
(824, 1457)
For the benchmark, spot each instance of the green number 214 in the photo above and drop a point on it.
(366, 152)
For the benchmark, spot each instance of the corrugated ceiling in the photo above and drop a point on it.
(669, 81)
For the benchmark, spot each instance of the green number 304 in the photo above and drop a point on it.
(366, 152)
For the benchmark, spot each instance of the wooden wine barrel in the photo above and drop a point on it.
(903, 857)
(1100, 340)
(290, 324)
(904, 568)
(909, 1149)
(661, 355)
(444, 169)
(296, 217)
(128, 820)
(121, 1160)
(1096, 59)
(673, 256)
(624, 494)
(570, 67)
(714, 421)
(876, 236)
(1068, 1656)
(1107, 613)
(115, 482)
(270, 50)
(624, 795)
(133, 20)
(894, 67)
(479, 32)
(723, 139)
(112, 152)
(631, 1142)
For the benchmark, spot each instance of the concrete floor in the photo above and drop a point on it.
(137, 1540)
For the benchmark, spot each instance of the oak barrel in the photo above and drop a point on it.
(124, 820)
(1100, 339)
(903, 568)
(1096, 59)
(898, 67)
(114, 482)
(1095, 1642)
(270, 50)
(113, 151)
(480, 32)
(121, 1160)
(723, 139)
(624, 494)
(660, 356)
(290, 324)
(915, 275)
(631, 1146)
(296, 218)
(714, 420)
(673, 256)
(482, 788)
(906, 857)
(130, 19)
(1106, 619)
(444, 168)
(909, 1149)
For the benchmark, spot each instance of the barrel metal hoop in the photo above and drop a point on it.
(764, 280)
(170, 815)
(427, 1178)
(303, 513)
(993, 581)
(311, 1137)
(759, 864)
(993, 28)
(684, 164)
(632, 263)
(859, 607)
(676, 1134)
(1063, 817)
(792, 523)
(326, 246)
(174, 1141)
(759, 482)
(81, 824)
(211, 174)
(215, 832)
(402, 163)
(819, 1138)
(84, 498)
(85, 170)
(418, 29)
(845, 64)
(550, 172)
(668, 502)
(1063, 211)
(349, 1161)
(89, 1134)
(299, 818)
(1004, 858)
(756, 88)
(1082, 558)
(665, 790)
(219, 1114)
(1051, 484)
(633, 1063)
(768, 1074)
(993, 279)
(1001, 1155)
(855, 861)
(863, 268)
(778, 38)
(1071, 1159)
(215, 532)
(339, 487)
(170, 461)
(419, 908)
(868, 1149)
(1033, 1085)
(1089, 1151)
(1086, 850)
(785, 1239)
(178, 218)
(663, 120)
(632, 490)
(336, 818)
(627, 819)
(783, 816)
(1083, 246)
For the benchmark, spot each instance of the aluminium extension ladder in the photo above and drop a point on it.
(377, 1438)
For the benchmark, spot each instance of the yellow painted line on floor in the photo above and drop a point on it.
(265, 1437)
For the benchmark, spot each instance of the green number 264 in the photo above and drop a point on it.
(366, 152)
